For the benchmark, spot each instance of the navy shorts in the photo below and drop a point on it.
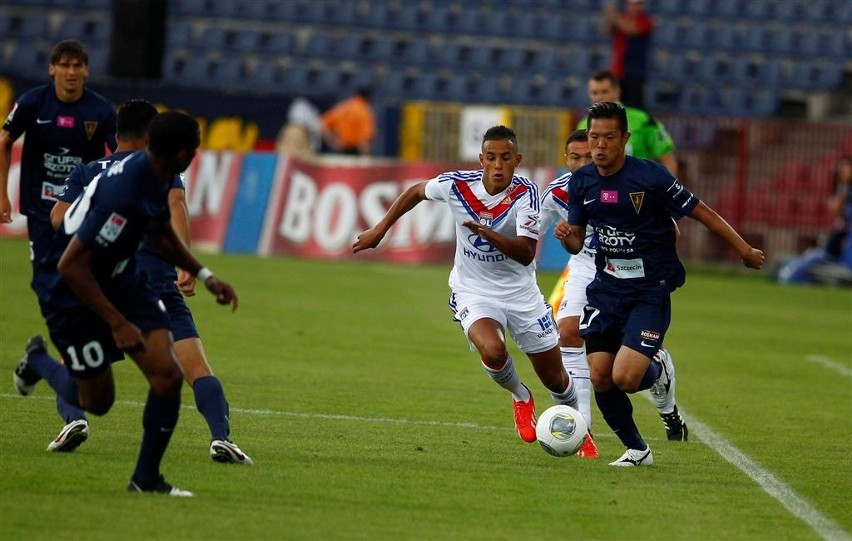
(611, 320)
(180, 317)
(85, 340)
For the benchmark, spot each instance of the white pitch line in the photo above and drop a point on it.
(801, 509)
(831, 364)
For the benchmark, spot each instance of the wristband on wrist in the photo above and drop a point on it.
(204, 274)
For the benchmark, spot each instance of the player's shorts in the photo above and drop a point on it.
(611, 320)
(85, 340)
(528, 318)
(180, 317)
(574, 296)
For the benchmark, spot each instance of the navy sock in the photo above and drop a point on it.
(618, 413)
(158, 423)
(211, 403)
(57, 376)
(651, 374)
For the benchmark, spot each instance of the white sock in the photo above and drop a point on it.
(567, 397)
(574, 361)
(508, 378)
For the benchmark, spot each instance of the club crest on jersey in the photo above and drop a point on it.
(609, 196)
(65, 121)
(485, 219)
(91, 126)
(112, 227)
(637, 198)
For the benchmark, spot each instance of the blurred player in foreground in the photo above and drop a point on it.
(133, 119)
(630, 203)
(97, 302)
(493, 282)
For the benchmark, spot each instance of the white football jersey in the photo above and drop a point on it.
(554, 207)
(479, 267)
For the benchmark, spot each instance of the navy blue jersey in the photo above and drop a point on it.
(149, 259)
(59, 136)
(111, 217)
(631, 212)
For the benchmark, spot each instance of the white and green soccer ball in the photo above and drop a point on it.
(561, 430)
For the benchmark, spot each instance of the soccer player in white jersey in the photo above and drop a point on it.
(581, 271)
(493, 282)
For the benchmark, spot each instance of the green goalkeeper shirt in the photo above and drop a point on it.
(648, 137)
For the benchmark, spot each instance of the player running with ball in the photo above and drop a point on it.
(630, 203)
(493, 282)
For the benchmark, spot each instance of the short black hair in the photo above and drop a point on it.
(173, 131)
(71, 49)
(577, 135)
(605, 75)
(133, 119)
(608, 109)
(500, 133)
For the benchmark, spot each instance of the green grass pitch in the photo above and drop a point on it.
(368, 418)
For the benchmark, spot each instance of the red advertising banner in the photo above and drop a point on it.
(317, 211)
(211, 182)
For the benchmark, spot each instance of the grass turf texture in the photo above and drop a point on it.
(367, 418)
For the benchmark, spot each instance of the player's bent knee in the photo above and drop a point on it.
(166, 383)
(626, 382)
(494, 358)
(97, 405)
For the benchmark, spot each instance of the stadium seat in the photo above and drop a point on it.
(728, 9)
(31, 25)
(758, 11)
(179, 34)
(698, 9)
(414, 52)
(213, 38)
(667, 7)
(28, 61)
(666, 35)
(227, 71)
(380, 48)
(189, 8)
(281, 42)
(247, 41)
(257, 10)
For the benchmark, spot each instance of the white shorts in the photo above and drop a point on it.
(528, 318)
(574, 291)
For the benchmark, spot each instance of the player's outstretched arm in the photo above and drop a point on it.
(175, 252)
(409, 199)
(751, 257)
(6, 142)
(571, 236)
(180, 223)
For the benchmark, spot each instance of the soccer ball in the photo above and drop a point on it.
(561, 430)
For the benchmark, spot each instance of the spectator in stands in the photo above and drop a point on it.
(631, 32)
(350, 126)
(830, 263)
(301, 134)
(840, 207)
